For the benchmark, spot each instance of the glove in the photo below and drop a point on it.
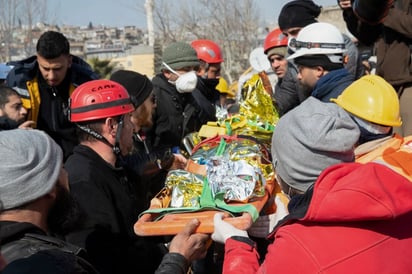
(224, 230)
(265, 224)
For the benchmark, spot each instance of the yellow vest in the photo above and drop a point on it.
(32, 101)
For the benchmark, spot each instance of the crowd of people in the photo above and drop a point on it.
(83, 156)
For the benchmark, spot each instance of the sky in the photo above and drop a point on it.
(120, 13)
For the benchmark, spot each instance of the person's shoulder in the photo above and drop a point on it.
(22, 71)
(49, 261)
(82, 71)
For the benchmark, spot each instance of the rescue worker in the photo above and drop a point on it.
(110, 195)
(12, 113)
(297, 14)
(181, 107)
(323, 231)
(374, 105)
(210, 57)
(45, 82)
(319, 55)
(392, 40)
(143, 161)
(288, 92)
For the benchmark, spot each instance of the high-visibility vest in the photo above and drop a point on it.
(394, 152)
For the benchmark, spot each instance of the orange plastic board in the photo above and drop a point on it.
(173, 223)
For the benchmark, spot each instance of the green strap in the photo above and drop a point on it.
(221, 148)
(206, 199)
(251, 209)
(228, 128)
(207, 202)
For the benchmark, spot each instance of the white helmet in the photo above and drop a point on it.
(319, 38)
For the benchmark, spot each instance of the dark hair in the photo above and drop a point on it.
(52, 44)
(95, 126)
(5, 93)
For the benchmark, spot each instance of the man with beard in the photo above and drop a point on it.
(150, 165)
(319, 55)
(45, 82)
(34, 193)
(288, 93)
(12, 112)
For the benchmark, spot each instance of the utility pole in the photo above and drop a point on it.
(149, 5)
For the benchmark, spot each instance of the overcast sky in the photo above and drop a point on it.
(131, 12)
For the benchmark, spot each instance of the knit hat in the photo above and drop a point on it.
(137, 85)
(298, 13)
(310, 138)
(30, 166)
(318, 60)
(179, 55)
(277, 50)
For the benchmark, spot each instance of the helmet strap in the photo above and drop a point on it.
(98, 136)
(116, 147)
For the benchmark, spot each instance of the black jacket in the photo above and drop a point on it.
(27, 248)
(288, 92)
(50, 110)
(112, 199)
(177, 114)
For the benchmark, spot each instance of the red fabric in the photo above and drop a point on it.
(359, 221)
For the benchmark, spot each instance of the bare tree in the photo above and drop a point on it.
(233, 24)
(8, 20)
(17, 16)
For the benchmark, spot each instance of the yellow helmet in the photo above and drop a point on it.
(223, 87)
(372, 99)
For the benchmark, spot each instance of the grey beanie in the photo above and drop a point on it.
(310, 138)
(30, 165)
(179, 55)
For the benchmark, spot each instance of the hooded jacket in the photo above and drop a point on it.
(358, 221)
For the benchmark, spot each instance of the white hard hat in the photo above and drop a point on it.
(319, 38)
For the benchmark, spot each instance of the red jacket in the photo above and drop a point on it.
(358, 221)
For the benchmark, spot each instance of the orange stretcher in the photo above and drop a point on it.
(172, 223)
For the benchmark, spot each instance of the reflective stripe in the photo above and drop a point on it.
(22, 92)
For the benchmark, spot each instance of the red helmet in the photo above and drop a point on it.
(274, 39)
(99, 99)
(208, 51)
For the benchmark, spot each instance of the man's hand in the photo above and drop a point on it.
(265, 224)
(179, 162)
(191, 245)
(224, 230)
(27, 125)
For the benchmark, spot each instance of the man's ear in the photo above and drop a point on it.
(167, 73)
(111, 126)
(52, 194)
(320, 71)
(70, 61)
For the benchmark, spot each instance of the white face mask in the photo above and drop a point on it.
(186, 82)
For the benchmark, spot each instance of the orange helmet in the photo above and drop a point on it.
(207, 51)
(99, 99)
(275, 39)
